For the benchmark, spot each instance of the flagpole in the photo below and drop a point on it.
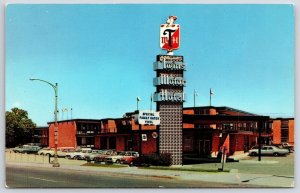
(210, 97)
(194, 98)
(151, 102)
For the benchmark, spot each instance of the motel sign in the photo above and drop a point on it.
(170, 35)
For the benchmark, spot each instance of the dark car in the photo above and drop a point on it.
(142, 160)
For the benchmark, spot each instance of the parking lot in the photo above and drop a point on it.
(280, 166)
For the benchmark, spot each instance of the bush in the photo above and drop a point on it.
(163, 159)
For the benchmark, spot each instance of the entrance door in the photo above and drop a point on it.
(201, 147)
(207, 146)
(204, 147)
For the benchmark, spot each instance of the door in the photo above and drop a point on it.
(204, 147)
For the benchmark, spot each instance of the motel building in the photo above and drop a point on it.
(204, 131)
(183, 132)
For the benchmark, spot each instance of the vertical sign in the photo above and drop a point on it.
(169, 95)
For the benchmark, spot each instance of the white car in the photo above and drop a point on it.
(91, 156)
(121, 156)
(61, 152)
(268, 150)
(46, 151)
(78, 154)
(115, 158)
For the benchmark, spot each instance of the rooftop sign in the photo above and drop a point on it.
(170, 35)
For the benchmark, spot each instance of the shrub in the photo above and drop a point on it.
(163, 159)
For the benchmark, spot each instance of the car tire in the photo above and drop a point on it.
(130, 164)
(253, 154)
(41, 153)
(276, 154)
(76, 157)
(117, 161)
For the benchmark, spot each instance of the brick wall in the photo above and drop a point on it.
(149, 146)
(276, 126)
(66, 134)
(120, 146)
(291, 131)
(97, 142)
(215, 142)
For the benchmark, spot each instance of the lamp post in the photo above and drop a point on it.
(55, 87)
(140, 126)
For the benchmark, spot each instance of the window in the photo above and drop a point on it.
(284, 131)
(187, 144)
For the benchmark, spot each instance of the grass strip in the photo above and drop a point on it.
(104, 165)
(183, 169)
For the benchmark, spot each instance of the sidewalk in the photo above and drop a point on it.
(232, 177)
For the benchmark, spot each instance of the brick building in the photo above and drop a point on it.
(283, 130)
(120, 134)
(205, 130)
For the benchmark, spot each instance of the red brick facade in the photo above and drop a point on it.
(283, 130)
(66, 134)
(205, 131)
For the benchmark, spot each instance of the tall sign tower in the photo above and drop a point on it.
(169, 95)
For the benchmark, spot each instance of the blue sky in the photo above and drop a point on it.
(101, 56)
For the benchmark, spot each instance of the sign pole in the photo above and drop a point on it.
(140, 139)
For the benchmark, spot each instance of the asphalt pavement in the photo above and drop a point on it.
(248, 172)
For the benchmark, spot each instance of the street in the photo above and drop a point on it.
(32, 171)
(28, 177)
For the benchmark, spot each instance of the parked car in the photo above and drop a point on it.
(61, 152)
(46, 151)
(78, 154)
(269, 150)
(142, 160)
(101, 157)
(26, 149)
(91, 156)
(116, 158)
(129, 156)
(287, 146)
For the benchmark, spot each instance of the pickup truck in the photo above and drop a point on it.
(26, 149)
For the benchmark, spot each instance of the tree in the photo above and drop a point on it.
(19, 128)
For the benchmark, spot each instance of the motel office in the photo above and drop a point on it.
(205, 130)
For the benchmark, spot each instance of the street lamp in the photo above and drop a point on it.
(55, 87)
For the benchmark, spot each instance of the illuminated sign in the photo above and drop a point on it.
(170, 34)
(162, 58)
(169, 65)
(169, 80)
(148, 118)
(165, 95)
